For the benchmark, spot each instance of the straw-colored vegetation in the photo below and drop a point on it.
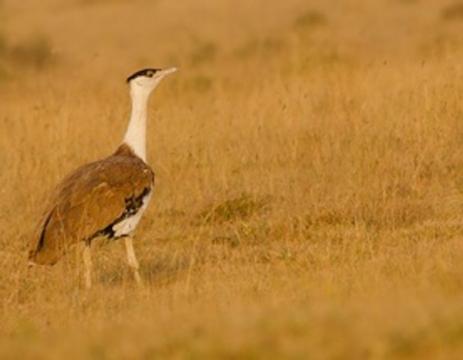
(309, 162)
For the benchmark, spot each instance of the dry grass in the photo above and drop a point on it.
(309, 179)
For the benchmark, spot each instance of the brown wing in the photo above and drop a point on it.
(87, 202)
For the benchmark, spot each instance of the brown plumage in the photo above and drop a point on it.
(89, 202)
(106, 197)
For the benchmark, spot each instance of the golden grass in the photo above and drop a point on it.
(309, 175)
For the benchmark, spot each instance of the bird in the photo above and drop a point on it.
(105, 198)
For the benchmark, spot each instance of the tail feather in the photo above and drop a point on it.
(39, 253)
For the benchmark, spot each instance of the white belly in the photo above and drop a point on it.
(127, 226)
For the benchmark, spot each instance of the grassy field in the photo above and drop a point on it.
(309, 163)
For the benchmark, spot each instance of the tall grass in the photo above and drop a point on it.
(308, 182)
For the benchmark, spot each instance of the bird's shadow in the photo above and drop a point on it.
(160, 271)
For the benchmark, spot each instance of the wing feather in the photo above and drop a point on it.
(86, 202)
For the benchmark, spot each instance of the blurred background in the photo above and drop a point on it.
(309, 186)
(109, 37)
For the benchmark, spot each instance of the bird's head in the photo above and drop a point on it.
(145, 81)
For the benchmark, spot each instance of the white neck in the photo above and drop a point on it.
(135, 136)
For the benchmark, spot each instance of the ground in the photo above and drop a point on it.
(309, 176)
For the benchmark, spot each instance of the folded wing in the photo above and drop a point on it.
(89, 201)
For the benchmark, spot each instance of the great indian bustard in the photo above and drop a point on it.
(104, 198)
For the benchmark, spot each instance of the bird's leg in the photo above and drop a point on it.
(88, 265)
(132, 259)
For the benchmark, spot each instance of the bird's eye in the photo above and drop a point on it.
(150, 73)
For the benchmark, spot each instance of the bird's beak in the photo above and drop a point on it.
(168, 71)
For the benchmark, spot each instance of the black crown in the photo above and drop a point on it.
(145, 72)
